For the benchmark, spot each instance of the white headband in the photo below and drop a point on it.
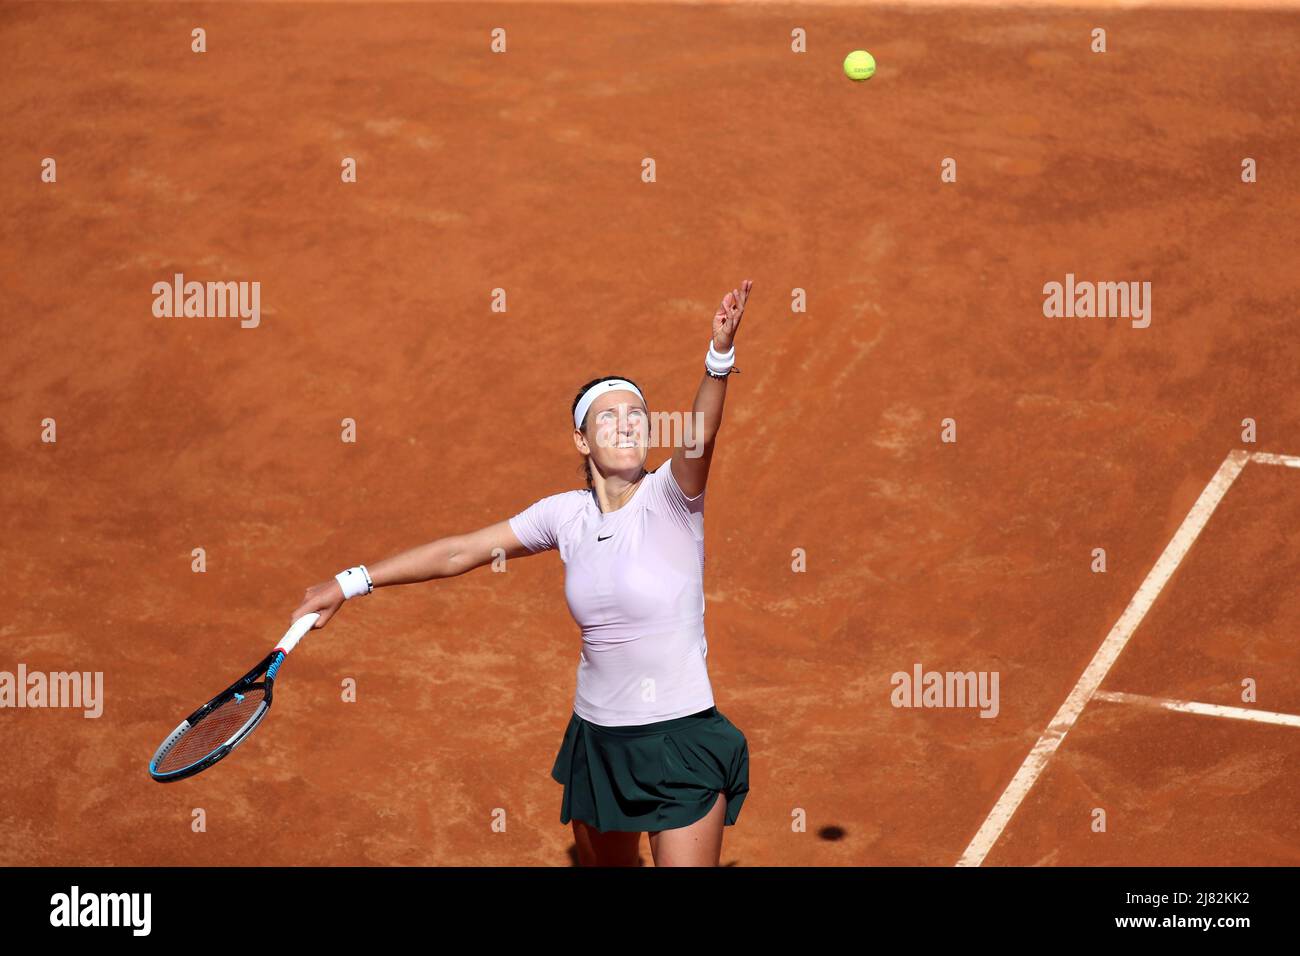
(600, 388)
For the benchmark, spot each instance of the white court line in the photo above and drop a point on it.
(1291, 461)
(1105, 657)
(1207, 710)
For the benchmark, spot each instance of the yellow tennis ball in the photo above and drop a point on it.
(859, 65)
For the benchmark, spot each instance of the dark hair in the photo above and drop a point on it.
(585, 467)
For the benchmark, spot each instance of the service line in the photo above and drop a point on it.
(1104, 659)
(1205, 710)
(1291, 461)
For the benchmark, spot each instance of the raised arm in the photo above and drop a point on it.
(691, 461)
(443, 558)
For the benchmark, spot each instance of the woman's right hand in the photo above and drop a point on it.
(324, 598)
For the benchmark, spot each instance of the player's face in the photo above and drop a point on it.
(618, 431)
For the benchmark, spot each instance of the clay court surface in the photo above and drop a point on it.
(522, 172)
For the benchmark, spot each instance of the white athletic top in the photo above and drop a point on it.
(634, 580)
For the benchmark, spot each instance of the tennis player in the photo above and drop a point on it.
(646, 749)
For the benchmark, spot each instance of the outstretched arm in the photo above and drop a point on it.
(444, 558)
(691, 461)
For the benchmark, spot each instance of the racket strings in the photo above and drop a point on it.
(213, 729)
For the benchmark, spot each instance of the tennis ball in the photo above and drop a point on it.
(859, 65)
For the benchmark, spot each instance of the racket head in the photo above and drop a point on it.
(214, 730)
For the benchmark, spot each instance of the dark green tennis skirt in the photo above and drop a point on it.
(648, 777)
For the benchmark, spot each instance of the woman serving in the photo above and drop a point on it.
(646, 749)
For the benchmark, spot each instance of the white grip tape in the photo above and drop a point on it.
(296, 632)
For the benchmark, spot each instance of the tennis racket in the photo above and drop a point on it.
(224, 722)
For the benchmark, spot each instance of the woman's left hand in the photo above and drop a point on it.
(727, 319)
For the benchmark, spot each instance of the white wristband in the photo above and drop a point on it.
(354, 581)
(719, 363)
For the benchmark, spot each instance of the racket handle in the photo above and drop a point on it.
(296, 632)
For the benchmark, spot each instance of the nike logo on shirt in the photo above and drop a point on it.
(606, 538)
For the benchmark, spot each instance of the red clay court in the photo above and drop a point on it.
(479, 171)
